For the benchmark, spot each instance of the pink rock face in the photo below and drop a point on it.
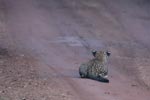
(61, 34)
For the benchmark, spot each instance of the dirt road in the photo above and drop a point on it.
(60, 34)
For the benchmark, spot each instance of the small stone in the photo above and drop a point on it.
(22, 55)
(23, 98)
(2, 91)
(133, 85)
(107, 92)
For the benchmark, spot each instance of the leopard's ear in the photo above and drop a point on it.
(108, 53)
(94, 53)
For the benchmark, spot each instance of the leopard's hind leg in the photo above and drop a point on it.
(83, 71)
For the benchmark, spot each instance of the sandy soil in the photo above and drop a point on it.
(43, 42)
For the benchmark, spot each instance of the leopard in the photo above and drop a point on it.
(96, 68)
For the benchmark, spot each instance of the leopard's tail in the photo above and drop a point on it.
(102, 79)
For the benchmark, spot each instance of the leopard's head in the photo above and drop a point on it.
(101, 55)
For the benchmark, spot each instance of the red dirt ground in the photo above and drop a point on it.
(43, 43)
